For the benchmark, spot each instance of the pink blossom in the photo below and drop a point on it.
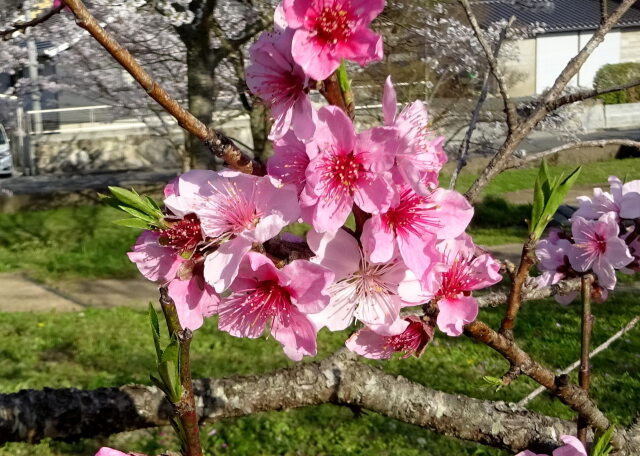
(414, 223)
(347, 169)
(412, 340)
(624, 200)
(161, 261)
(370, 293)
(235, 211)
(285, 297)
(420, 160)
(572, 447)
(105, 451)
(281, 83)
(452, 280)
(554, 263)
(327, 31)
(290, 160)
(598, 247)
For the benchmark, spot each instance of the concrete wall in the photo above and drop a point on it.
(630, 45)
(522, 72)
(598, 116)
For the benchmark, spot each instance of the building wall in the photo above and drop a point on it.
(521, 73)
(630, 45)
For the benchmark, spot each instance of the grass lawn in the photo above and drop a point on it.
(112, 347)
(81, 242)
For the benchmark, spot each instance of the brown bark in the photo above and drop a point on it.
(67, 413)
(514, 300)
(584, 375)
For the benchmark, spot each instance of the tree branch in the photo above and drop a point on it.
(570, 394)
(587, 94)
(466, 141)
(501, 158)
(516, 163)
(22, 26)
(67, 413)
(220, 145)
(628, 327)
(584, 376)
(514, 300)
(509, 106)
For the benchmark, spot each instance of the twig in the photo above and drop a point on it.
(330, 89)
(509, 106)
(585, 95)
(501, 158)
(514, 300)
(220, 145)
(463, 150)
(515, 162)
(22, 26)
(570, 394)
(584, 376)
(628, 327)
(185, 409)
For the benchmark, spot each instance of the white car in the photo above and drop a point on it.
(6, 161)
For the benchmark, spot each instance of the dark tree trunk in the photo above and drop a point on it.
(260, 127)
(201, 99)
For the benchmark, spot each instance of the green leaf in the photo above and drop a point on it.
(132, 223)
(137, 214)
(343, 77)
(130, 198)
(168, 371)
(539, 198)
(155, 330)
(603, 445)
(156, 381)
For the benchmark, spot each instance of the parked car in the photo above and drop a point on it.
(6, 161)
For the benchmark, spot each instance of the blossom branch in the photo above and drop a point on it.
(500, 160)
(23, 26)
(466, 141)
(220, 145)
(185, 409)
(340, 379)
(509, 106)
(584, 376)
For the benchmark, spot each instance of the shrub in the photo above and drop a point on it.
(612, 75)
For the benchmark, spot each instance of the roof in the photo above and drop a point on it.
(553, 15)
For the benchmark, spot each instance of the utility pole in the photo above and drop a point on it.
(36, 105)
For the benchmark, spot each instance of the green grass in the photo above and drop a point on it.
(521, 179)
(72, 242)
(112, 347)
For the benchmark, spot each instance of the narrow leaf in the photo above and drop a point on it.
(132, 223)
(137, 214)
(155, 330)
(169, 374)
(132, 199)
(343, 78)
(603, 445)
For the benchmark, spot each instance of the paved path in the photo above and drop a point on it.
(18, 293)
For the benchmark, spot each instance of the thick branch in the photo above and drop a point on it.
(67, 413)
(501, 158)
(219, 144)
(22, 26)
(509, 106)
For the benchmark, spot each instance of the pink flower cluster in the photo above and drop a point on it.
(310, 39)
(409, 246)
(604, 237)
